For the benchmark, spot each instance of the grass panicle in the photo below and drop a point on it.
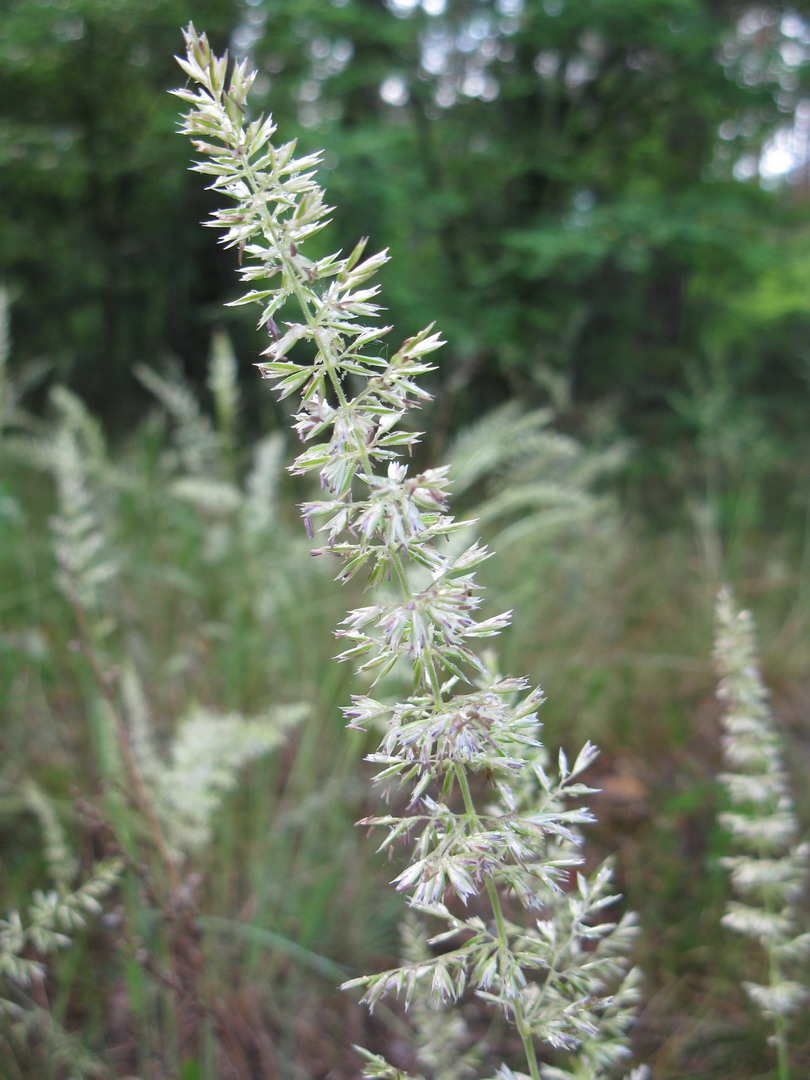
(457, 744)
(769, 866)
(49, 924)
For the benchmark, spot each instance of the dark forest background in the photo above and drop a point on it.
(573, 191)
(604, 206)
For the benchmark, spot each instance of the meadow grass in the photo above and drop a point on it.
(621, 644)
(614, 618)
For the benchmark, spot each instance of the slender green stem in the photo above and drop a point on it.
(497, 911)
(396, 562)
(466, 794)
(779, 1028)
(520, 1020)
(503, 937)
(433, 675)
(528, 1046)
(138, 788)
(782, 1063)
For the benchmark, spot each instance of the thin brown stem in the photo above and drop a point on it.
(138, 788)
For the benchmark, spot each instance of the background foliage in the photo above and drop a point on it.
(582, 195)
(568, 188)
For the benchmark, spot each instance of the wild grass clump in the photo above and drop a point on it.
(181, 644)
(146, 788)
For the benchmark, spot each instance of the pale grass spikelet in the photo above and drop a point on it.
(188, 782)
(377, 1068)
(83, 548)
(75, 415)
(66, 1055)
(224, 387)
(201, 462)
(443, 1045)
(261, 487)
(27, 939)
(237, 515)
(204, 761)
(52, 918)
(240, 526)
(460, 729)
(59, 859)
(219, 505)
(140, 726)
(531, 481)
(197, 447)
(213, 498)
(769, 868)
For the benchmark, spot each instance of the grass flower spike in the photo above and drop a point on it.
(489, 867)
(769, 867)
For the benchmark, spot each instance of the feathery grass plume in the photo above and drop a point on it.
(37, 444)
(74, 414)
(83, 549)
(196, 445)
(59, 858)
(443, 1045)
(36, 1034)
(205, 759)
(236, 516)
(224, 387)
(200, 461)
(261, 487)
(769, 870)
(201, 765)
(27, 939)
(443, 1042)
(139, 725)
(531, 481)
(448, 736)
(208, 750)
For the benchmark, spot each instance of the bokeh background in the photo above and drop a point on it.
(603, 204)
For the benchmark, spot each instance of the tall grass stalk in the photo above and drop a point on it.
(490, 868)
(769, 867)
